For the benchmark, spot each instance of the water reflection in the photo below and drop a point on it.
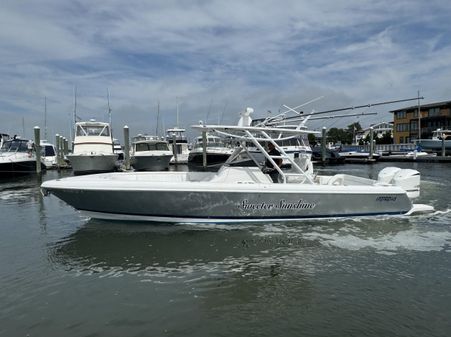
(182, 251)
(100, 247)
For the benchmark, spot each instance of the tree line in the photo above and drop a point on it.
(347, 136)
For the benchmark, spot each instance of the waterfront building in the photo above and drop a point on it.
(407, 121)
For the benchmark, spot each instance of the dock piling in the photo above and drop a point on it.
(204, 149)
(371, 142)
(323, 145)
(58, 155)
(66, 147)
(37, 144)
(174, 147)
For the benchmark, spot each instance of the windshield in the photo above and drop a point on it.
(90, 130)
(151, 147)
(16, 145)
(48, 151)
(298, 141)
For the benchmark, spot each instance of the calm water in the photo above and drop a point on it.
(65, 275)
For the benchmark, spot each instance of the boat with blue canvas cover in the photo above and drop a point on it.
(241, 194)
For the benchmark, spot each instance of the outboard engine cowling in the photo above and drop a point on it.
(409, 180)
(386, 175)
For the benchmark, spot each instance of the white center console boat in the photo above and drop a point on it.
(240, 194)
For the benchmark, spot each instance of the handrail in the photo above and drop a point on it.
(258, 134)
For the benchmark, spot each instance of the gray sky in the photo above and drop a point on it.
(215, 58)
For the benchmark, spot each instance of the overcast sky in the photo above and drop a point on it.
(215, 58)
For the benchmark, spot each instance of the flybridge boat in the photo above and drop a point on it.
(179, 144)
(240, 194)
(93, 148)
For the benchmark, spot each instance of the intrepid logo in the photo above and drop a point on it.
(282, 204)
(386, 198)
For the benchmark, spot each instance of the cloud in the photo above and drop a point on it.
(215, 58)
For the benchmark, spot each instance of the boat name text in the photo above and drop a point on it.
(282, 204)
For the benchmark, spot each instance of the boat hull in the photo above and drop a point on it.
(18, 168)
(85, 164)
(435, 145)
(132, 199)
(151, 163)
(182, 158)
(11, 166)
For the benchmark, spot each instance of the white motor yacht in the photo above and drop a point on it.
(92, 148)
(216, 151)
(149, 153)
(176, 137)
(17, 156)
(240, 194)
(48, 154)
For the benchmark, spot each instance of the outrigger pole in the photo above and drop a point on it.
(355, 107)
(301, 118)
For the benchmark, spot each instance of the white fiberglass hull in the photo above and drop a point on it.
(151, 162)
(175, 197)
(17, 163)
(92, 163)
(182, 158)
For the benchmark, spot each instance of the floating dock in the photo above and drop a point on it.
(423, 159)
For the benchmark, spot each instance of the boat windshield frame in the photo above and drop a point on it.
(92, 130)
(151, 146)
(17, 145)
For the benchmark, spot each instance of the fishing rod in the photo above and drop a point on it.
(355, 107)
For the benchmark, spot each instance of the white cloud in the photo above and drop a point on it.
(220, 54)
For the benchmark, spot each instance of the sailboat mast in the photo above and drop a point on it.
(45, 117)
(177, 103)
(419, 117)
(72, 125)
(158, 118)
(75, 105)
(109, 108)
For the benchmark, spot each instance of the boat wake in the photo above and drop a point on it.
(413, 240)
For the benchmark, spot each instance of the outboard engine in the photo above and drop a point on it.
(386, 175)
(407, 179)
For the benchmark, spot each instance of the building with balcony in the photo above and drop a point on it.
(407, 121)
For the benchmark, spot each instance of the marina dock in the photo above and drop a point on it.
(422, 159)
